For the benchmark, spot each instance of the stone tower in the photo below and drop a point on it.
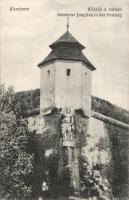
(65, 84)
(65, 76)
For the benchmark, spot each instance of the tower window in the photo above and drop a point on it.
(68, 72)
(48, 73)
(86, 75)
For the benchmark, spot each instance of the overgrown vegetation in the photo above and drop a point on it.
(106, 108)
(24, 165)
(29, 103)
(119, 142)
(93, 172)
(16, 163)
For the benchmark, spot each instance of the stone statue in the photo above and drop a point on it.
(67, 126)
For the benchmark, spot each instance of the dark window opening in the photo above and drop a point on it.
(68, 72)
(48, 73)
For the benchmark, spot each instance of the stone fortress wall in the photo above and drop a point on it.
(102, 143)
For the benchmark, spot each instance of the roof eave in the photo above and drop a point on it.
(43, 63)
(90, 66)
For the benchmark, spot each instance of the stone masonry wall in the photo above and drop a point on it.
(103, 153)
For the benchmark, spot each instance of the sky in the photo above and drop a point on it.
(26, 36)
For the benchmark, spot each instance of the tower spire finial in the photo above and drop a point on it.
(68, 23)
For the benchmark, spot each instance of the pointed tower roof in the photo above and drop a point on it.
(67, 48)
(67, 38)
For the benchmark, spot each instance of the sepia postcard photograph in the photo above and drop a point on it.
(64, 100)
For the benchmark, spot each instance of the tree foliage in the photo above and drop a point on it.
(15, 161)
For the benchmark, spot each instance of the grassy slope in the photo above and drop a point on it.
(29, 102)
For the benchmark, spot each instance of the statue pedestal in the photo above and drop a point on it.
(67, 143)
